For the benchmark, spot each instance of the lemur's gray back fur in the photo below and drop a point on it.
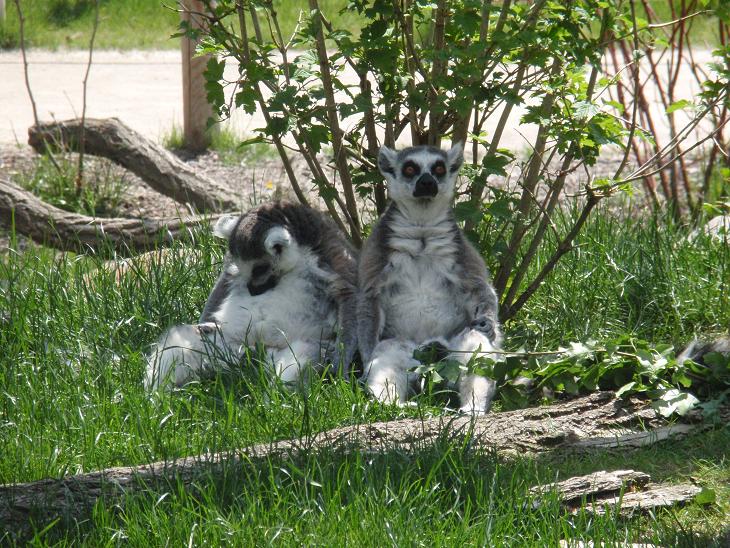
(312, 229)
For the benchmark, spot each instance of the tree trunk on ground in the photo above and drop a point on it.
(595, 421)
(622, 491)
(158, 168)
(49, 225)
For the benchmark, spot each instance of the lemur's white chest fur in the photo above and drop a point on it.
(298, 308)
(417, 295)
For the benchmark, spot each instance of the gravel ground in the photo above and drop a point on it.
(257, 179)
(256, 182)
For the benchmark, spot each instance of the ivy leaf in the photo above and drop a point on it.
(466, 211)
(451, 370)
(494, 164)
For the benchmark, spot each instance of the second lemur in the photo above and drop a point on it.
(420, 281)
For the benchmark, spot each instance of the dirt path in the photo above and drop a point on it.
(144, 89)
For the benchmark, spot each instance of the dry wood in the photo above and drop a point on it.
(196, 109)
(600, 483)
(562, 426)
(622, 491)
(642, 501)
(49, 225)
(158, 168)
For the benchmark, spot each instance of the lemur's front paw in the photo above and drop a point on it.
(207, 328)
(431, 352)
(486, 325)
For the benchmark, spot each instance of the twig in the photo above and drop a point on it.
(337, 133)
(565, 245)
(82, 141)
(528, 187)
(21, 24)
(264, 111)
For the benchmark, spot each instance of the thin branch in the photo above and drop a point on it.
(82, 145)
(438, 69)
(531, 179)
(337, 134)
(21, 22)
(246, 52)
(563, 247)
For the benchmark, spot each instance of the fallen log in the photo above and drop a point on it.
(158, 168)
(48, 225)
(563, 426)
(655, 496)
(573, 490)
(621, 491)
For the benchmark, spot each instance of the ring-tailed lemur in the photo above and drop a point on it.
(421, 281)
(288, 283)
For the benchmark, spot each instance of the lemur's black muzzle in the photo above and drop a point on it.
(426, 186)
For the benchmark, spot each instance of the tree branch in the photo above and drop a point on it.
(49, 225)
(161, 170)
(597, 421)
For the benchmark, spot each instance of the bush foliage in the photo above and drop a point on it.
(423, 72)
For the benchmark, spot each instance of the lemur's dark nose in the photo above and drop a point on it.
(426, 186)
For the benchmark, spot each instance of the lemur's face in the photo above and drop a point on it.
(421, 174)
(262, 251)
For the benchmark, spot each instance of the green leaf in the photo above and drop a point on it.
(615, 104)
(214, 69)
(450, 370)
(625, 388)
(494, 164)
(678, 105)
(584, 110)
(466, 211)
(673, 401)
(706, 496)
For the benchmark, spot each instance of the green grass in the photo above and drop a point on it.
(54, 180)
(641, 276)
(71, 400)
(148, 24)
(126, 24)
(226, 142)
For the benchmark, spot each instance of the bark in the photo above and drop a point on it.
(621, 491)
(49, 225)
(643, 501)
(161, 170)
(572, 490)
(564, 426)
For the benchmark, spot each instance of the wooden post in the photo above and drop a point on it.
(196, 109)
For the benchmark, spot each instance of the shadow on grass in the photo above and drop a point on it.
(442, 493)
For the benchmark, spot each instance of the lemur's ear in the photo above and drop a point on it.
(455, 157)
(224, 226)
(386, 160)
(277, 239)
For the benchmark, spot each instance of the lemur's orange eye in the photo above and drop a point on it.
(409, 171)
(439, 169)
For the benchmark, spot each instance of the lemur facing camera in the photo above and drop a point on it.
(288, 283)
(421, 281)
